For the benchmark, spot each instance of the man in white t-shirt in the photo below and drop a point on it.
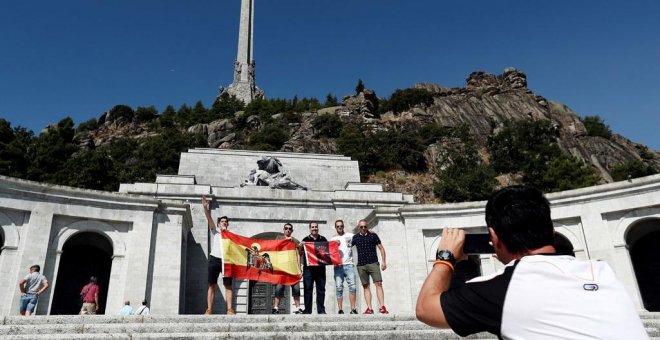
(31, 286)
(346, 271)
(539, 294)
(215, 261)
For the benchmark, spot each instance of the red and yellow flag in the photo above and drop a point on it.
(274, 261)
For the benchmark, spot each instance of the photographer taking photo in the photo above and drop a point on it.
(538, 294)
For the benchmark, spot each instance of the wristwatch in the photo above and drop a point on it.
(445, 255)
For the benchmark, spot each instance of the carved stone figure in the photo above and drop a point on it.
(251, 74)
(237, 71)
(270, 173)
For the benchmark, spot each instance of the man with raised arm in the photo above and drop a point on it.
(215, 261)
(538, 294)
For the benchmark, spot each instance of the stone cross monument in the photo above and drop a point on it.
(244, 86)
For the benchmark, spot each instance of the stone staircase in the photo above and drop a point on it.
(317, 327)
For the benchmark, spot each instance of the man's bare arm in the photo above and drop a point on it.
(428, 309)
(21, 286)
(383, 266)
(46, 285)
(207, 212)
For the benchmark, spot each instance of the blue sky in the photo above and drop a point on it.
(79, 58)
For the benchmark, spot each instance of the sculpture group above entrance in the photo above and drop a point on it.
(270, 173)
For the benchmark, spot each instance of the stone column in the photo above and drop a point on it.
(9, 279)
(245, 39)
(138, 261)
(243, 86)
(37, 236)
(166, 278)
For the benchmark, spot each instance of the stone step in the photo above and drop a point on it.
(393, 326)
(290, 326)
(268, 318)
(338, 335)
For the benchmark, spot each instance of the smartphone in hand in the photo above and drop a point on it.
(478, 244)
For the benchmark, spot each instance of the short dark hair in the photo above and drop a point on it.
(36, 267)
(223, 217)
(339, 220)
(520, 216)
(313, 222)
(288, 224)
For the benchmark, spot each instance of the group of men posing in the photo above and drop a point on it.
(368, 268)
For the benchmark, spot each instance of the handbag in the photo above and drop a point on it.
(84, 295)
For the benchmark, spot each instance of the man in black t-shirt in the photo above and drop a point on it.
(313, 275)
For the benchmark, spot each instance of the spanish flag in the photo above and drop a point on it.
(273, 261)
(322, 253)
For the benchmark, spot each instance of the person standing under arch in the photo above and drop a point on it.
(90, 297)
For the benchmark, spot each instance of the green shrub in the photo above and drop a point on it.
(225, 106)
(631, 169)
(145, 114)
(530, 147)
(461, 175)
(645, 153)
(119, 112)
(596, 127)
(270, 138)
(327, 125)
(402, 100)
(382, 150)
(88, 125)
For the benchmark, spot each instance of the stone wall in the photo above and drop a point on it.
(230, 168)
(38, 219)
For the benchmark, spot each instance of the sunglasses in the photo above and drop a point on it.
(363, 227)
(287, 228)
(339, 226)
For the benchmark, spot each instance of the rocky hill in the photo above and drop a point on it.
(485, 103)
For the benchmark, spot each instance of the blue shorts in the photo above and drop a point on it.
(28, 302)
(295, 290)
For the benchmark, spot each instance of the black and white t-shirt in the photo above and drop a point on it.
(545, 297)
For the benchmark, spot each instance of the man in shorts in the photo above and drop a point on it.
(31, 286)
(295, 288)
(215, 262)
(368, 266)
(345, 271)
(90, 297)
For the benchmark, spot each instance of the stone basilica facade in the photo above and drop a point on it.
(150, 240)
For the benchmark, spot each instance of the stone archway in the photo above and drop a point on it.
(642, 240)
(85, 254)
(261, 294)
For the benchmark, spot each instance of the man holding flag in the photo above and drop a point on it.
(215, 261)
(344, 271)
(295, 288)
(314, 273)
